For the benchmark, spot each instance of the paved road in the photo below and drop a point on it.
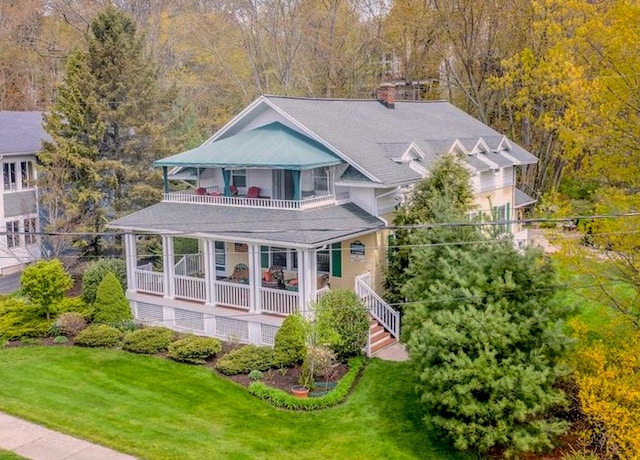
(38, 443)
(10, 283)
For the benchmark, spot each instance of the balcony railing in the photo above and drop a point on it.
(242, 201)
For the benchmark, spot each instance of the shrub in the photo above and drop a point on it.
(194, 349)
(95, 273)
(45, 283)
(19, 319)
(289, 347)
(256, 375)
(245, 359)
(99, 335)
(149, 340)
(279, 398)
(60, 340)
(75, 304)
(70, 324)
(343, 322)
(111, 305)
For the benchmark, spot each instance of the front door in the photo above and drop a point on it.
(283, 184)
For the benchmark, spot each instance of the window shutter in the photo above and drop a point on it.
(336, 260)
(264, 256)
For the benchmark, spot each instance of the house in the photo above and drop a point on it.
(292, 197)
(21, 136)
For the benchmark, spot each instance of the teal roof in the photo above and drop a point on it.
(272, 146)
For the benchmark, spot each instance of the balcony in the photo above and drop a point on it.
(211, 198)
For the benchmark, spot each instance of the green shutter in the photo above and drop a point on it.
(336, 260)
(264, 256)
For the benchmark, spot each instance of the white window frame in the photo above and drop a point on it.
(321, 252)
(27, 174)
(13, 233)
(9, 176)
(291, 258)
(30, 225)
(237, 174)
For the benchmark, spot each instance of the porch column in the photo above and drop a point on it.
(131, 260)
(255, 278)
(168, 263)
(208, 254)
(307, 279)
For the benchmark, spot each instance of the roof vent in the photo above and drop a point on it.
(386, 94)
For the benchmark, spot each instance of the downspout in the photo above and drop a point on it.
(165, 179)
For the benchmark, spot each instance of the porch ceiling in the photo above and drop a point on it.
(311, 227)
(272, 146)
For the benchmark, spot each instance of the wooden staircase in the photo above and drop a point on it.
(379, 338)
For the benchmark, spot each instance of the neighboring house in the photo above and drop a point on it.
(21, 136)
(308, 185)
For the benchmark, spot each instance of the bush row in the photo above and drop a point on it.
(151, 340)
(246, 359)
(281, 399)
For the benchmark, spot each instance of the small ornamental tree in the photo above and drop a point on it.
(290, 346)
(96, 271)
(111, 306)
(45, 283)
(342, 322)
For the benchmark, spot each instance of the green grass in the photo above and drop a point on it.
(158, 409)
(4, 455)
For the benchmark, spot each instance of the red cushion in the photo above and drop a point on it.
(253, 192)
(267, 277)
(293, 282)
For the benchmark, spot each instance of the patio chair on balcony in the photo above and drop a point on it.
(201, 191)
(253, 192)
(234, 190)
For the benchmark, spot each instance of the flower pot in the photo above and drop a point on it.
(300, 391)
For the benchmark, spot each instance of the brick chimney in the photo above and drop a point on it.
(386, 94)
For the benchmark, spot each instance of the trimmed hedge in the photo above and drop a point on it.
(290, 347)
(246, 359)
(194, 349)
(99, 335)
(283, 400)
(149, 340)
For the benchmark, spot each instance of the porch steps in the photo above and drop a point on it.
(379, 338)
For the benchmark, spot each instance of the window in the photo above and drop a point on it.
(321, 181)
(220, 256)
(283, 257)
(323, 261)
(239, 177)
(9, 173)
(13, 238)
(501, 213)
(29, 230)
(28, 174)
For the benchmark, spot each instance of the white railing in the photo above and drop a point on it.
(243, 201)
(378, 308)
(320, 293)
(279, 301)
(149, 281)
(190, 288)
(233, 294)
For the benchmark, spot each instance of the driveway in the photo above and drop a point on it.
(10, 283)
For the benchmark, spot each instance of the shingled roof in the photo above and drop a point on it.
(21, 132)
(364, 132)
(311, 227)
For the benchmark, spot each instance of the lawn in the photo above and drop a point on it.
(158, 409)
(4, 455)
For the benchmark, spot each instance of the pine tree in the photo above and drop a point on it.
(111, 305)
(485, 337)
(446, 190)
(105, 127)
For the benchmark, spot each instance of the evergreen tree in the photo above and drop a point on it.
(45, 283)
(446, 192)
(105, 127)
(485, 338)
(111, 306)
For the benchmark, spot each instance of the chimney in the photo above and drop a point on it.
(386, 94)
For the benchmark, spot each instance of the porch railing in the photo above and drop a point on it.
(320, 293)
(233, 294)
(190, 288)
(279, 302)
(378, 308)
(242, 201)
(148, 281)
(189, 264)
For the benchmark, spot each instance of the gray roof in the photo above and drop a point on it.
(311, 227)
(522, 199)
(21, 132)
(366, 132)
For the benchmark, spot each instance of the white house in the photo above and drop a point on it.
(21, 136)
(293, 196)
